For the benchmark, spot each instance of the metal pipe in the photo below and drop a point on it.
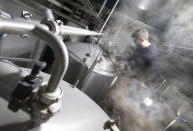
(101, 9)
(113, 82)
(60, 5)
(109, 16)
(14, 27)
(68, 30)
(88, 74)
(56, 44)
(170, 124)
(24, 28)
(36, 51)
(60, 53)
(5, 15)
(20, 59)
(49, 14)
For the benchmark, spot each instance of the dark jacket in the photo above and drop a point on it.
(147, 61)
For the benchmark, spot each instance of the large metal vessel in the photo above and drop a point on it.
(92, 72)
(40, 106)
(78, 111)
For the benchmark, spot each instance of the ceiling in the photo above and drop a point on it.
(155, 13)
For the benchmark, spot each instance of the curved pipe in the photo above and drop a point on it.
(60, 53)
(56, 44)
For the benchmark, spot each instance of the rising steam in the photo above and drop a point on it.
(141, 109)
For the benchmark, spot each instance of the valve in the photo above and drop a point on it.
(26, 88)
(109, 125)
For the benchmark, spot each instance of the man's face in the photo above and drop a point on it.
(138, 41)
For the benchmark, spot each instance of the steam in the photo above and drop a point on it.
(174, 18)
(141, 109)
(136, 112)
(179, 33)
(178, 40)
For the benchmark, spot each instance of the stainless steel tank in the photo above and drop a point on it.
(78, 112)
(97, 82)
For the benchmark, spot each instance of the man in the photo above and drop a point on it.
(146, 58)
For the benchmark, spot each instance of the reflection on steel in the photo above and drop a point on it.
(68, 119)
(95, 76)
(170, 124)
(3, 15)
(113, 81)
(88, 75)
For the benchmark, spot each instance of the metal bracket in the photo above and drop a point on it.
(53, 25)
(26, 15)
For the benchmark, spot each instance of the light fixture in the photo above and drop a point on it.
(147, 101)
(143, 4)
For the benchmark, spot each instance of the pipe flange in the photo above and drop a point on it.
(50, 98)
(52, 25)
(41, 113)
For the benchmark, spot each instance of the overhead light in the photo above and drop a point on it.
(147, 101)
(144, 5)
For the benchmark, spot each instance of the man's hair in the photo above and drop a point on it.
(141, 34)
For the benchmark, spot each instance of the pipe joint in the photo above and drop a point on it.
(50, 98)
(52, 25)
